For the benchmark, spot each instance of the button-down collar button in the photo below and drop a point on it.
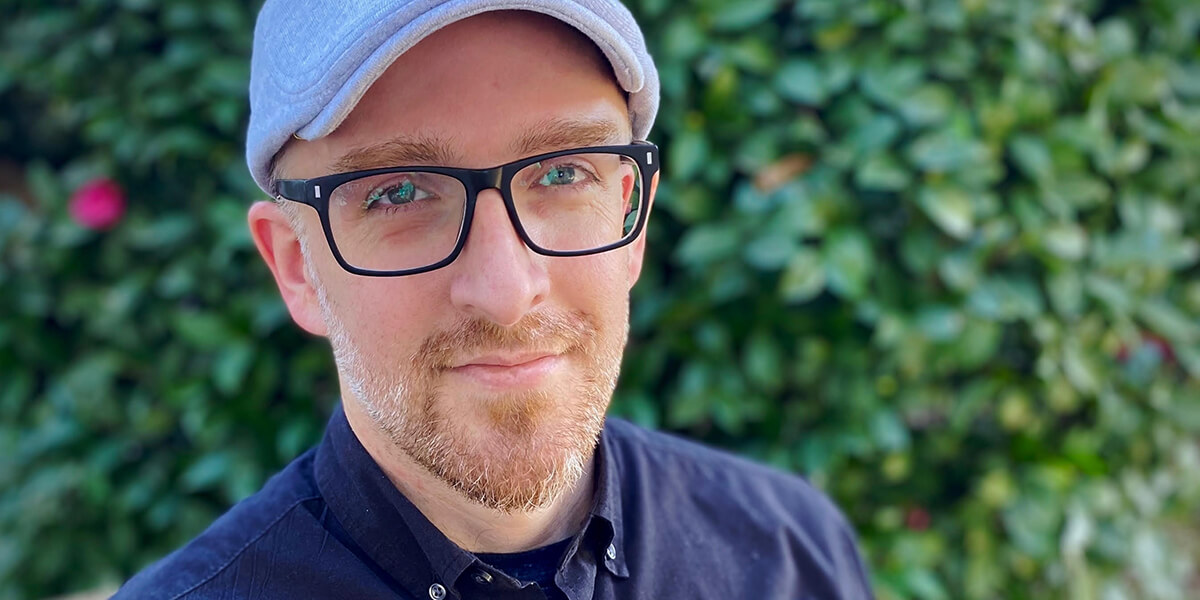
(437, 592)
(483, 577)
(611, 553)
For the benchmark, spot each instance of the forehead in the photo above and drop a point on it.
(482, 91)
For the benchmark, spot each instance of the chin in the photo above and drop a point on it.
(505, 446)
(515, 452)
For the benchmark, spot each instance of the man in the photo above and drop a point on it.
(477, 316)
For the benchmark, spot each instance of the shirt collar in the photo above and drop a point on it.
(606, 510)
(378, 518)
(393, 533)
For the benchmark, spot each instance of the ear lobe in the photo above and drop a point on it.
(280, 250)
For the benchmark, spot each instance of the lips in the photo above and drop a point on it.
(503, 360)
(508, 370)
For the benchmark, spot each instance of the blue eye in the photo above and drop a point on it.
(564, 175)
(401, 193)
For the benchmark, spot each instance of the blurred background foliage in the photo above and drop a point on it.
(938, 255)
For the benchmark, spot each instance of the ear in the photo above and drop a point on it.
(280, 249)
(637, 250)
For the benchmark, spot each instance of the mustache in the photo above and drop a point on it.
(556, 331)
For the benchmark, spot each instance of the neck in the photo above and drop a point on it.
(470, 525)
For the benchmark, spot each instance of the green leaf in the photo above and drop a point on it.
(849, 262)
(942, 152)
(231, 365)
(1066, 292)
(1006, 298)
(202, 330)
(682, 39)
(1079, 190)
(924, 584)
(1032, 156)
(762, 361)
(928, 105)
(707, 243)
(1067, 241)
(803, 278)
(950, 208)
(1110, 292)
(882, 172)
(889, 431)
(1169, 321)
(891, 84)
(1116, 38)
(744, 14)
(770, 252)
(754, 55)
(835, 36)
(688, 154)
(174, 230)
(1185, 79)
(940, 323)
(801, 81)
(978, 344)
(1079, 370)
(1124, 159)
(960, 270)
(207, 471)
(876, 134)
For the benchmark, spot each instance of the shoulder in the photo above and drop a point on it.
(256, 520)
(708, 494)
(689, 466)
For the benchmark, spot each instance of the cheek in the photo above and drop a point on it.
(387, 316)
(596, 284)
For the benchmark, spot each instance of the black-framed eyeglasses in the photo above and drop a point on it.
(406, 220)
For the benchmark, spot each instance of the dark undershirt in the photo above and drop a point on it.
(538, 565)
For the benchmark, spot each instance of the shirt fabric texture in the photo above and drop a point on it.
(670, 519)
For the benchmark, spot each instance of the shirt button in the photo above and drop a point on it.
(611, 553)
(437, 591)
(483, 577)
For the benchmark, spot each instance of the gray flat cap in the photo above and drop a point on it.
(314, 59)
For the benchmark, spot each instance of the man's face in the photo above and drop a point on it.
(492, 373)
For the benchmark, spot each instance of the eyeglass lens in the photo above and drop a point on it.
(409, 220)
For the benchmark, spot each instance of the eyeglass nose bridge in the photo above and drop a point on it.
(485, 179)
(479, 180)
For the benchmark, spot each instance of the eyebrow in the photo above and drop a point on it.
(559, 134)
(402, 150)
(415, 150)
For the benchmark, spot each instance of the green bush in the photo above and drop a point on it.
(938, 255)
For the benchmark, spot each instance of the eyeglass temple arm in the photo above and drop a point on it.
(295, 189)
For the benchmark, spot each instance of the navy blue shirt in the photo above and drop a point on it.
(670, 519)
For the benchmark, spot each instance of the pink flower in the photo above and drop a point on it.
(917, 519)
(98, 204)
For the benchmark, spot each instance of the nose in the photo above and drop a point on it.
(497, 277)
